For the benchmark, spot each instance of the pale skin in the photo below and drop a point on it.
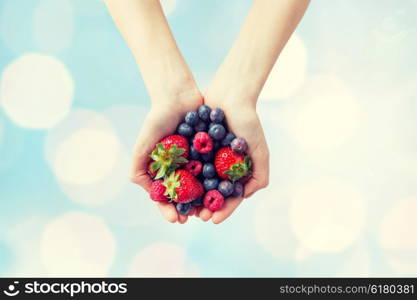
(237, 83)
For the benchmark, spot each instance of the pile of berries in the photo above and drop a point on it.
(201, 165)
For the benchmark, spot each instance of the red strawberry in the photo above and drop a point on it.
(183, 187)
(157, 191)
(213, 200)
(230, 165)
(194, 167)
(168, 155)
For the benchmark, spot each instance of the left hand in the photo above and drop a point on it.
(244, 122)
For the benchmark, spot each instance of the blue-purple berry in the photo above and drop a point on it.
(197, 202)
(239, 145)
(191, 118)
(217, 115)
(225, 187)
(228, 139)
(201, 126)
(210, 184)
(185, 130)
(209, 171)
(204, 113)
(207, 157)
(183, 208)
(217, 132)
(237, 189)
(194, 155)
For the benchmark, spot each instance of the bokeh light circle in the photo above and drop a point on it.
(288, 72)
(77, 244)
(272, 224)
(398, 238)
(326, 114)
(36, 91)
(86, 156)
(327, 215)
(162, 259)
(53, 25)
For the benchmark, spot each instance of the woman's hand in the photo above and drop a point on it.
(162, 120)
(244, 122)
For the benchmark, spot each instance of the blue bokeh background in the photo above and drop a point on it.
(343, 194)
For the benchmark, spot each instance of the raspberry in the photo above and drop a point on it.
(194, 167)
(202, 142)
(213, 200)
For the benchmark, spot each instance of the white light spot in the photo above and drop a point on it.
(86, 156)
(288, 72)
(77, 245)
(36, 91)
(162, 259)
(327, 215)
(272, 224)
(398, 238)
(53, 25)
(327, 115)
(168, 6)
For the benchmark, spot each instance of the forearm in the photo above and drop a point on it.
(146, 31)
(265, 32)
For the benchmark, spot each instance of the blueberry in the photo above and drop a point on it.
(217, 145)
(201, 126)
(239, 145)
(225, 188)
(210, 184)
(217, 115)
(209, 171)
(217, 132)
(191, 118)
(185, 130)
(237, 189)
(204, 112)
(228, 139)
(197, 202)
(208, 156)
(194, 155)
(211, 125)
(183, 208)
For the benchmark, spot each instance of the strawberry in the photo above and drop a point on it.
(183, 187)
(230, 165)
(168, 155)
(157, 191)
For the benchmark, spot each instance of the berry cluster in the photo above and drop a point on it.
(201, 165)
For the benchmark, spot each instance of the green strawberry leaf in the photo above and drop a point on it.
(155, 166)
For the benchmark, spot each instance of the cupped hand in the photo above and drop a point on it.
(162, 120)
(244, 122)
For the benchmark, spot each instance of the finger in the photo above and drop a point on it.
(228, 208)
(182, 218)
(205, 214)
(143, 147)
(168, 211)
(260, 175)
